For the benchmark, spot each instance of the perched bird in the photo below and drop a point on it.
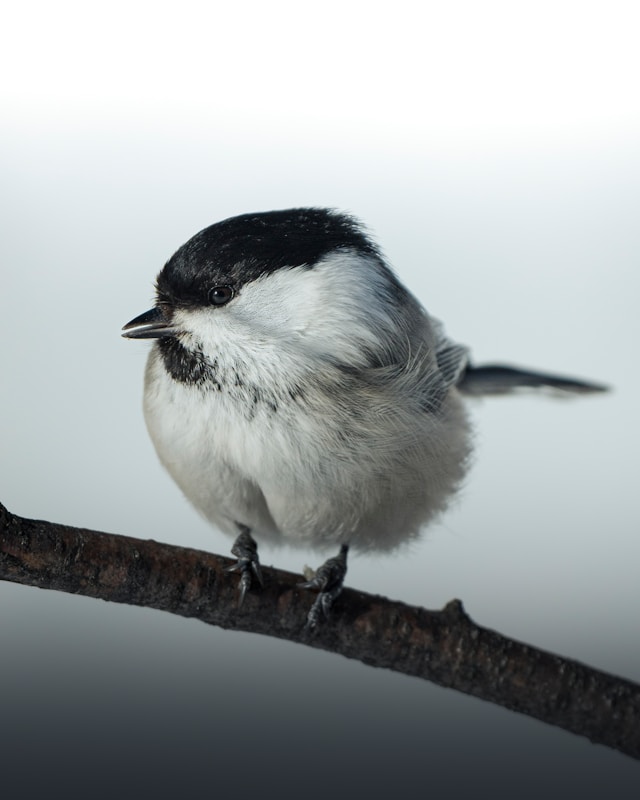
(298, 393)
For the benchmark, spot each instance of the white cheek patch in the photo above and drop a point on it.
(208, 329)
(349, 313)
(332, 309)
(279, 303)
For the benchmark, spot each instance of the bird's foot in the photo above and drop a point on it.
(245, 550)
(328, 578)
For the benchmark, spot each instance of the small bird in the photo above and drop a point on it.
(298, 393)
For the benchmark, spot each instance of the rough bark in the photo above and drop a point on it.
(445, 647)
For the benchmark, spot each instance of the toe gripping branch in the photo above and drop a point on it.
(245, 550)
(328, 579)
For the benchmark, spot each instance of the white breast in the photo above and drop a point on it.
(303, 451)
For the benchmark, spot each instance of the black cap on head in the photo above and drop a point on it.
(240, 249)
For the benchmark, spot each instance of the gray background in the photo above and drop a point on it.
(492, 149)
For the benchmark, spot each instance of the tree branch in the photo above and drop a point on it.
(445, 647)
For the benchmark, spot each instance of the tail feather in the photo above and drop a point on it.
(501, 379)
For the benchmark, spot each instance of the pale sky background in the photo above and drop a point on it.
(492, 149)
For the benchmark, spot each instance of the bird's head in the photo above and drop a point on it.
(305, 282)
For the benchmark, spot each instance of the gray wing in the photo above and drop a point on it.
(452, 358)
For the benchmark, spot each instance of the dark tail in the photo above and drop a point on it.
(500, 379)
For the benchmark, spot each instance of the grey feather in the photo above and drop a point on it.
(488, 379)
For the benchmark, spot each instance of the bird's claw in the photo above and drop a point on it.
(245, 550)
(328, 578)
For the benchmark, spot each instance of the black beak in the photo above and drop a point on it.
(150, 325)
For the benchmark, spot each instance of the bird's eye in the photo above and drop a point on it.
(220, 295)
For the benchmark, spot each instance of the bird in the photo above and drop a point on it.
(298, 393)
